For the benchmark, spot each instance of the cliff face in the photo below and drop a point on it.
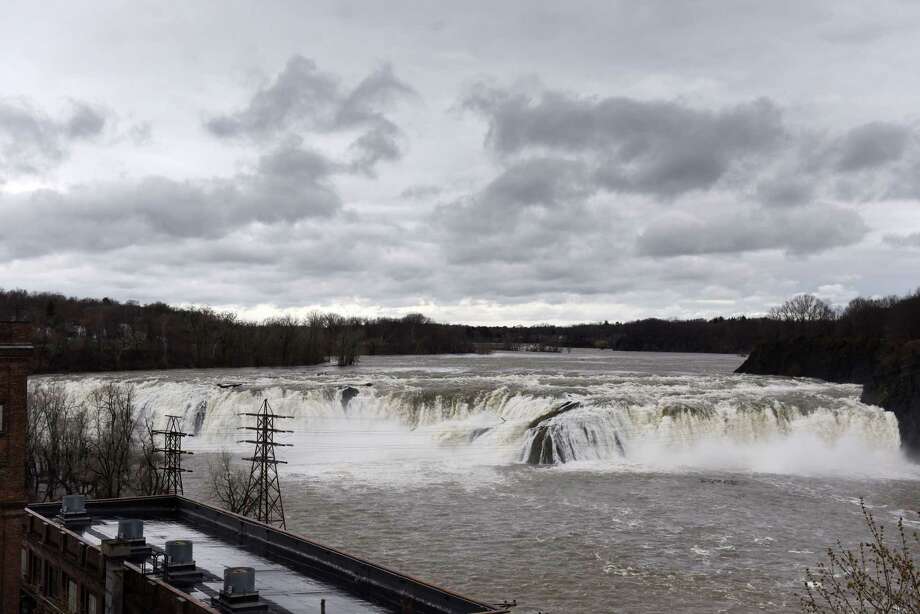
(895, 385)
(889, 373)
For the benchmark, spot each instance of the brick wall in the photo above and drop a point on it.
(15, 356)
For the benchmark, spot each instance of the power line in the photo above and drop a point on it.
(264, 488)
(172, 456)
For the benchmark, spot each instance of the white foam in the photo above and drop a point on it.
(440, 424)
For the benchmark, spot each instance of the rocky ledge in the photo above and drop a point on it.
(889, 372)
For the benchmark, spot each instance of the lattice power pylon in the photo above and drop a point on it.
(264, 489)
(172, 456)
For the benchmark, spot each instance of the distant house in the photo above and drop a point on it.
(74, 329)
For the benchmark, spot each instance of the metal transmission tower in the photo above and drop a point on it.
(264, 489)
(172, 456)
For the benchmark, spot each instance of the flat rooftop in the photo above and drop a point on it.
(292, 574)
(286, 589)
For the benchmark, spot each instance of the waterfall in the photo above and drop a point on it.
(609, 421)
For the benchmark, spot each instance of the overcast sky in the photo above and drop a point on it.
(488, 162)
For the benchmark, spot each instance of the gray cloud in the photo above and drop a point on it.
(536, 184)
(804, 230)
(420, 191)
(534, 209)
(909, 240)
(785, 191)
(541, 223)
(380, 143)
(653, 147)
(288, 184)
(301, 97)
(31, 141)
(667, 149)
(872, 145)
(86, 121)
(304, 99)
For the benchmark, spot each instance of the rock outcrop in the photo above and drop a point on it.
(542, 450)
(889, 372)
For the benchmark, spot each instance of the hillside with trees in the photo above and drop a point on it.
(873, 342)
(83, 334)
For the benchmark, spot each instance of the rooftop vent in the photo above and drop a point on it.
(73, 504)
(130, 541)
(239, 594)
(73, 512)
(179, 552)
(131, 530)
(180, 564)
(240, 581)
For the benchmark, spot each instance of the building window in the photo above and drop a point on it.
(72, 597)
(24, 563)
(35, 569)
(2, 421)
(52, 580)
(89, 603)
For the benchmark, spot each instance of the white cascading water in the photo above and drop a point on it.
(432, 424)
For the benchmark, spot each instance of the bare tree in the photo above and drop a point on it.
(57, 443)
(99, 447)
(875, 577)
(229, 483)
(149, 480)
(116, 423)
(803, 308)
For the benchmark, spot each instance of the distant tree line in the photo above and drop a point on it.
(102, 334)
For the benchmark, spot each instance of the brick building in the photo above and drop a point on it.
(15, 358)
(171, 555)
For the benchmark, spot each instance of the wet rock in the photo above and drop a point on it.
(543, 450)
(348, 393)
(557, 411)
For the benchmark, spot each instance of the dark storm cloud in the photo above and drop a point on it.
(304, 99)
(563, 151)
(803, 230)
(288, 184)
(871, 146)
(31, 141)
(653, 147)
(667, 149)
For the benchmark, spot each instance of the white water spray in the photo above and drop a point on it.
(439, 423)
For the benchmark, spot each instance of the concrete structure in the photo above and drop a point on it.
(15, 360)
(219, 563)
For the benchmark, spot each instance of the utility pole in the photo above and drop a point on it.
(264, 489)
(172, 456)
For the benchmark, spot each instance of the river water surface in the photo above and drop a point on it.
(676, 484)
